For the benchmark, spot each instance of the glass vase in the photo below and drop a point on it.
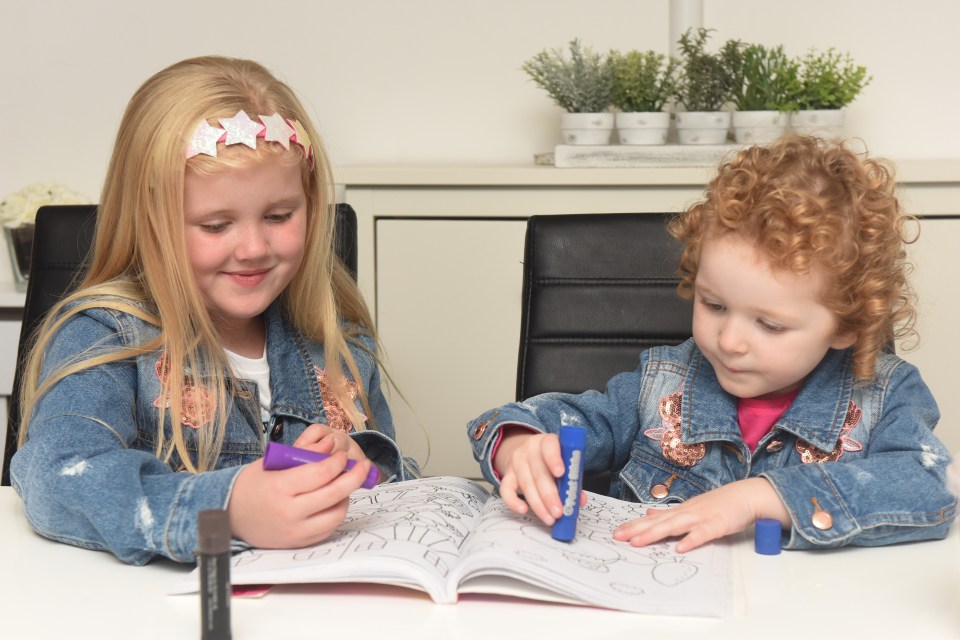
(20, 248)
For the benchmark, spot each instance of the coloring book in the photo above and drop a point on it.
(448, 536)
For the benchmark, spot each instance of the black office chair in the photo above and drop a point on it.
(597, 290)
(62, 239)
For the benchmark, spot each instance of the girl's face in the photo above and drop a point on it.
(763, 330)
(245, 231)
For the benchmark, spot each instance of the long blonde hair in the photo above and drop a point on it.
(139, 264)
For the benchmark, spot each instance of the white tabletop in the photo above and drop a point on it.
(53, 590)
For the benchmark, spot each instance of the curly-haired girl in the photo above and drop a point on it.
(786, 403)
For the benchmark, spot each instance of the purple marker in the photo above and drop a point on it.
(282, 456)
(573, 442)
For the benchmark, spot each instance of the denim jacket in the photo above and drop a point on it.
(853, 463)
(87, 473)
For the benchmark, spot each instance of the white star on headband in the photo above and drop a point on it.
(277, 129)
(303, 139)
(240, 128)
(204, 140)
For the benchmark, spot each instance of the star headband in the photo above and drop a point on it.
(240, 129)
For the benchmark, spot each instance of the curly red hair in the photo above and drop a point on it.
(805, 202)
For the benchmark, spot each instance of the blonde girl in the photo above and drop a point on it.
(214, 316)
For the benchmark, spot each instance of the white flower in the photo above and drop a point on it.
(21, 207)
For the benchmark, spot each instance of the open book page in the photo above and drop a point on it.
(407, 533)
(442, 535)
(594, 568)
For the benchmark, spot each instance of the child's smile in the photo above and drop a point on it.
(245, 231)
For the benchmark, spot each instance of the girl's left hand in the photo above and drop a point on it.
(323, 439)
(723, 511)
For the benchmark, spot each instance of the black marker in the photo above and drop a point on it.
(213, 530)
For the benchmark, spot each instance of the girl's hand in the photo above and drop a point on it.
(708, 516)
(294, 507)
(323, 439)
(529, 465)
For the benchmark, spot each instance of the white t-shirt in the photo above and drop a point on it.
(258, 370)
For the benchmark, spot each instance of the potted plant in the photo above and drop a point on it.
(828, 81)
(704, 86)
(766, 81)
(17, 214)
(643, 83)
(582, 86)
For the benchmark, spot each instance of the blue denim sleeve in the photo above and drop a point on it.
(380, 445)
(611, 418)
(80, 476)
(892, 491)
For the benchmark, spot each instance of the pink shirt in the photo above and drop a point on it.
(756, 416)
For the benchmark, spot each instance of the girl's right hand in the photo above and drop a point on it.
(295, 507)
(529, 465)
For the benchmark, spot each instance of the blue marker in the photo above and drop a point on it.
(573, 442)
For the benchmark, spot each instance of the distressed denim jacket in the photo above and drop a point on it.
(88, 475)
(853, 463)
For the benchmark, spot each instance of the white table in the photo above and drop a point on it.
(52, 590)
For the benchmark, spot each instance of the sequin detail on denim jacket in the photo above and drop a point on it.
(197, 401)
(671, 445)
(336, 417)
(809, 453)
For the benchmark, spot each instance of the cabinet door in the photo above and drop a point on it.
(9, 343)
(935, 280)
(448, 312)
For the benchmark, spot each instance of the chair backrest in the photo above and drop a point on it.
(597, 290)
(62, 239)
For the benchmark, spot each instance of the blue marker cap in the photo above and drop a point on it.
(573, 442)
(766, 540)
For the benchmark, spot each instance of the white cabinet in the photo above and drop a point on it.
(448, 375)
(440, 262)
(11, 311)
(938, 352)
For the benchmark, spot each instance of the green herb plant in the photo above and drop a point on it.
(765, 79)
(829, 80)
(580, 84)
(642, 80)
(706, 79)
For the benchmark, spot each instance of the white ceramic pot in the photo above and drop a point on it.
(703, 127)
(759, 127)
(643, 127)
(820, 122)
(586, 128)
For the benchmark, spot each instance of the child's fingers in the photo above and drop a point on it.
(306, 478)
(327, 492)
(641, 530)
(538, 506)
(323, 509)
(694, 539)
(550, 453)
(508, 491)
(539, 489)
(662, 524)
(311, 436)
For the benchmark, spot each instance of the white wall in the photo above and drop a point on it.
(427, 81)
